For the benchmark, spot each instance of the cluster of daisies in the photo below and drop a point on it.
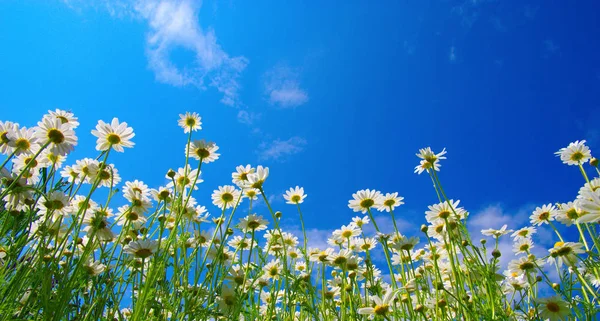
(67, 252)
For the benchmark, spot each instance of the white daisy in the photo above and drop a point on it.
(574, 154)
(141, 248)
(240, 176)
(204, 151)
(389, 202)
(115, 135)
(190, 122)
(226, 196)
(363, 200)
(295, 195)
(543, 215)
(61, 137)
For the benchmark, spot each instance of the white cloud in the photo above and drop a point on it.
(173, 25)
(278, 149)
(282, 87)
(246, 117)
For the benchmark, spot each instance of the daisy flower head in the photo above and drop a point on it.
(295, 195)
(522, 246)
(55, 202)
(253, 222)
(258, 178)
(115, 135)
(566, 253)
(389, 202)
(204, 151)
(226, 196)
(429, 160)
(107, 175)
(543, 215)
(590, 207)
(574, 154)
(364, 199)
(568, 213)
(190, 122)
(383, 306)
(251, 193)
(360, 221)
(65, 117)
(185, 177)
(524, 233)
(444, 211)
(273, 269)
(553, 308)
(141, 248)
(7, 128)
(240, 176)
(131, 188)
(60, 137)
(23, 141)
(496, 233)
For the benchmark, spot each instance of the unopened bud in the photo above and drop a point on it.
(483, 241)
(229, 231)
(278, 214)
(420, 308)
(424, 228)
(556, 286)
(594, 161)
(171, 173)
(441, 303)
(538, 278)
(496, 253)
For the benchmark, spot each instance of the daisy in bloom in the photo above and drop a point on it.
(389, 202)
(360, 221)
(257, 179)
(53, 159)
(70, 174)
(590, 207)
(162, 193)
(524, 264)
(142, 248)
(321, 256)
(107, 175)
(588, 188)
(204, 151)
(190, 122)
(98, 225)
(94, 268)
(115, 135)
(522, 246)
(568, 213)
(131, 188)
(444, 211)
(496, 233)
(87, 168)
(364, 200)
(55, 202)
(7, 128)
(226, 196)
(295, 195)
(23, 141)
(127, 215)
(566, 252)
(253, 222)
(240, 176)
(61, 137)
(553, 308)
(574, 154)
(524, 233)
(406, 243)
(184, 178)
(346, 232)
(251, 193)
(429, 160)
(543, 215)
(65, 117)
(383, 306)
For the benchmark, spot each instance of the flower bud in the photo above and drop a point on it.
(556, 286)
(171, 173)
(594, 161)
(538, 278)
(424, 228)
(496, 253)
(278, 214)
(483, 241)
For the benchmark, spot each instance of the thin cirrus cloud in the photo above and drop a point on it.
(279, 149)
(173, 25)
(282, 87)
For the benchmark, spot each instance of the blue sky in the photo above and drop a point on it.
(334, 97)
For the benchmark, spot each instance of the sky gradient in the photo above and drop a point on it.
(334, 97)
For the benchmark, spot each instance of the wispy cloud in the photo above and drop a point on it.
(174, 24)
(279, 149)
(248, 117)
(452, 54)
(282, 86)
